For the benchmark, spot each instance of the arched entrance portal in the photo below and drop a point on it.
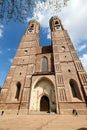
(43, 97)
(44, 104)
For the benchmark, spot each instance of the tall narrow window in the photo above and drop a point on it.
(75, 89)
(18, 90)
(72, 84)
(44, 65)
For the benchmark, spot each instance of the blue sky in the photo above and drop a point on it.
(74, 20)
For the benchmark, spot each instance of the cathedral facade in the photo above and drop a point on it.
(49, 78)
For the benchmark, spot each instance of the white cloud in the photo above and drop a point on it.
(8, 49)
(28, 19)
(1, 30)
(81, 47)
(2, 78)
(48, 35)
(0, 52)
(45, 10)
(73, 17)
(10, 60)
(84, 61)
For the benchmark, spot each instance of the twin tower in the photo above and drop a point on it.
(49, 78)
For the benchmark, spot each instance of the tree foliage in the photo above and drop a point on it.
(18, 10)
(15, 9)
(0, 88)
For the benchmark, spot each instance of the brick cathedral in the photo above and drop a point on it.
(49, 78)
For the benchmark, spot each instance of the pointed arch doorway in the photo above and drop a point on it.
(44, 103)
(43, 96)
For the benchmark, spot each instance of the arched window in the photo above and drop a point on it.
(63, 48)
(56, 22)
(18, 90)
(74, 89)
(44, 65)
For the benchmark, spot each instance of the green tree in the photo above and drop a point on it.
(15, 9)
(19, 10)
(0, 88)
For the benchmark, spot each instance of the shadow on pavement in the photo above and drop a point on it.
(82, 129)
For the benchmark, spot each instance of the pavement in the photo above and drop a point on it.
(43, 122)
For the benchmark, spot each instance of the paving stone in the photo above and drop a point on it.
(43, 122)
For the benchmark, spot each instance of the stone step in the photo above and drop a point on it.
(26, 112)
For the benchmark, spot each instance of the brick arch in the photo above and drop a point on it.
(42, 78)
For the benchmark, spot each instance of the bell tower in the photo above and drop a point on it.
(55, 24)
(33, 27)
(16, 88)
(71, 79)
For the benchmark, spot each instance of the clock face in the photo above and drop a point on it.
(57, 27)
(30, 30)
